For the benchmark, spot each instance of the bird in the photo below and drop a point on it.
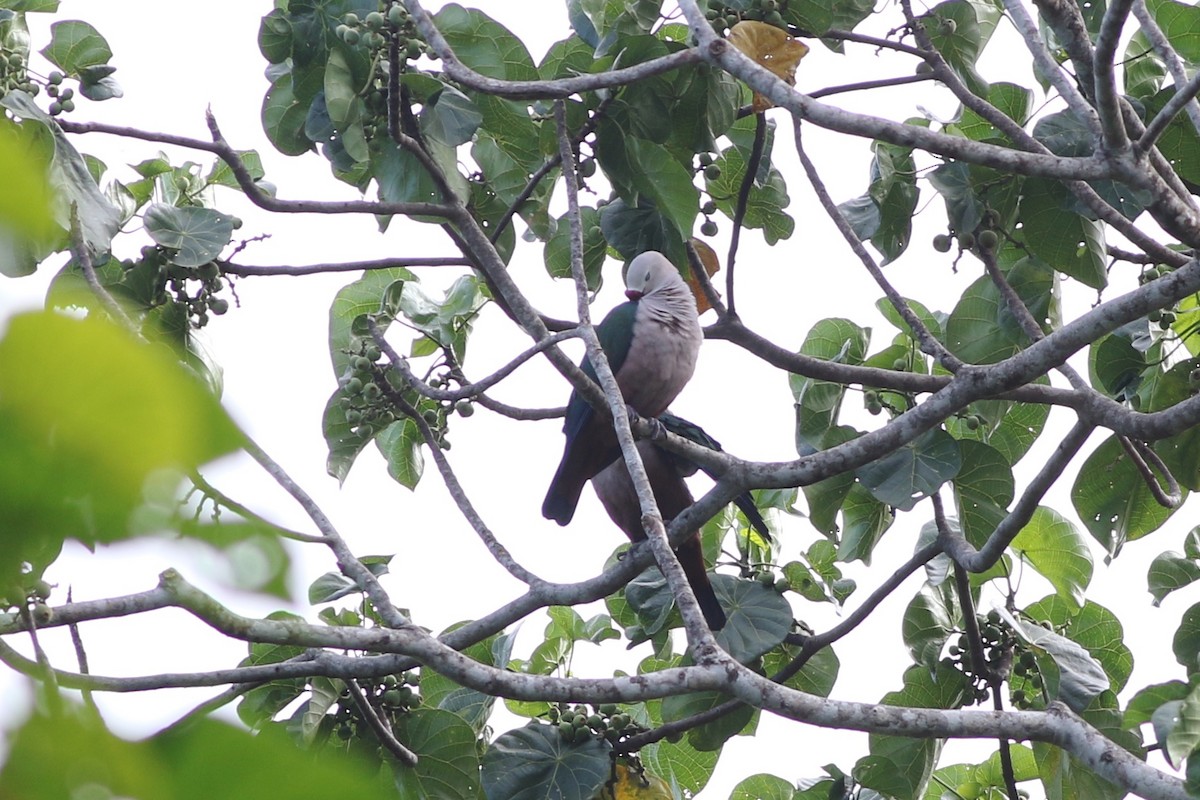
(666, 471)
(652, 342)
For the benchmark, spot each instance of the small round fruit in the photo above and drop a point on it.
(413, 49)
(966, 241)
(372, 392)
(988, 240)
(708, 228)
(942, 243)
(705, 159)
(372, 353)
(374, 20)
(351, 37)
(972, 422)
(354, 386)
(587, 167)
(900, 364)
(465, 408)
(607, 709)
(766, 578)
(782, 585)
(218, 305)
(712, 172)
(68, 105)
(924, 68)
(55, 108)
(392, 697)
(344, 732)
(708, 208)
(54, 78)
(397, 15)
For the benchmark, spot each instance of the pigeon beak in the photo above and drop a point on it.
(633, 294)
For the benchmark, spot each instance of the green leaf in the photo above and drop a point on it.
(199, 234)
(1180, 22)
(961, 43)
(71, 181)
(913, 471)
(26, 199)
(900, 766)
(1065, 240)
(175, 765)
(284, 117)
(1056, 549)
(451, 117)
(763, 787)
(865, 519)
(401, 443)
(75, 45)
(631, 230)
(759, 617)
(1141, 708)
(557, 253)
(981, 329)
(81, 468)
(1081, 676)
(536, 762)
(1170, 571)
(447, 760)
(983, 490)
(1186, 642)
(711, 735)
(1112, 499)
(818, 402)
(662, 179)
(928, 621)
(1177, 726)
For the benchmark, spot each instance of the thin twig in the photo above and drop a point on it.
(383, 731)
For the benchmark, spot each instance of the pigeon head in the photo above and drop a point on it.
(650, 272)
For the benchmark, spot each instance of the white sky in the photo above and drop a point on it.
(173, 62)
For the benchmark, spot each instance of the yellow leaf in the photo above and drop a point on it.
(712, 265)
(632, 784)
(770, 47)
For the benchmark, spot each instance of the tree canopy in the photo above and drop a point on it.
(1066, 372)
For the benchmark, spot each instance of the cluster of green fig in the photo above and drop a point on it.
(362, 400)
(193, 289)
(31, 593)
(999, 643)
(576, 723)
(767, 577)
(1164, 318)
(1026, 667)
(984, 239)
(722, 17)
(375, 29)
(392, 696)
(14, 74)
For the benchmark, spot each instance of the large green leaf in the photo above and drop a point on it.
(983, 490)
(1113, 500)
(75, 45)
(913, 471)
(1081, 677)
(981, 329)
(198, 234)
(1062, 238)
(447, 760)
(928, 621)
(536, 762)
(181, 764)
(1055, 548)
(758, 617)
(80, 442)
(819, 402)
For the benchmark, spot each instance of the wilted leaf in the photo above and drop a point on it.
(770, 47)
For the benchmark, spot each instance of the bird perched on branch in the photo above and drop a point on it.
(666, 471)
(651, 343)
